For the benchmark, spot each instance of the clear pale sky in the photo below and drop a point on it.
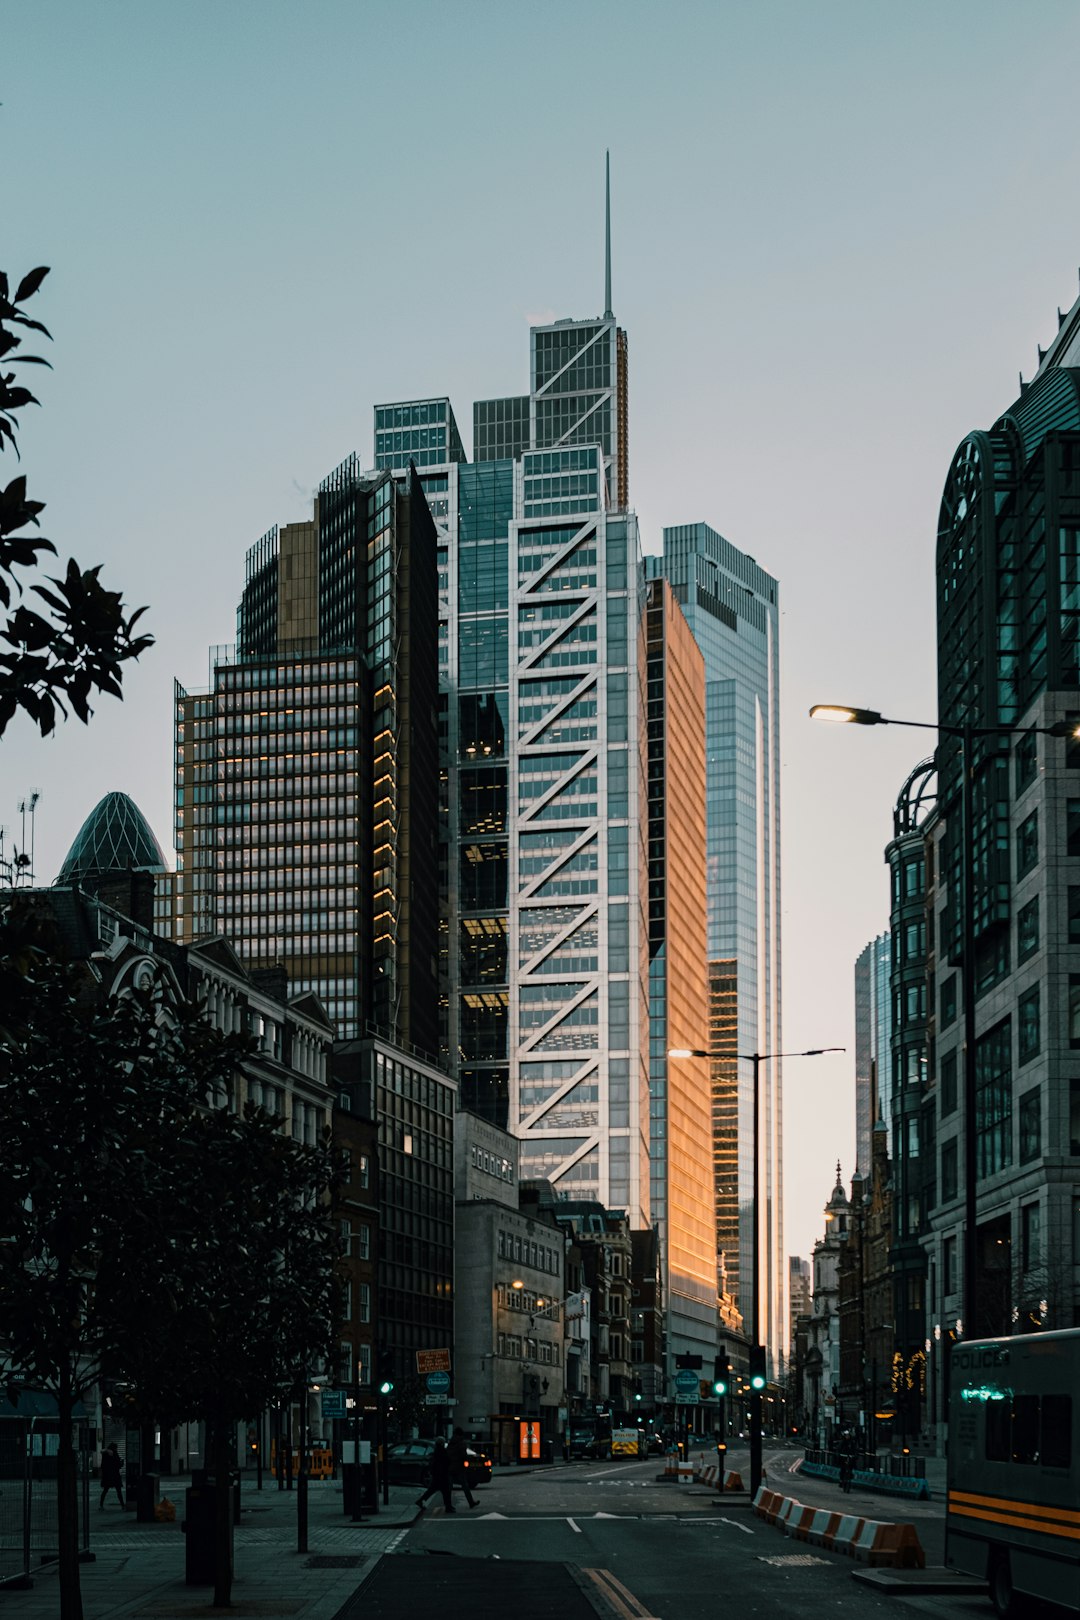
(840, 230)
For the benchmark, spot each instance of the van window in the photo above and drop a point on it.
(997, 1431)
(1025, 1429)
(1056, 1431)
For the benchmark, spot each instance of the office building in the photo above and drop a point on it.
(307, 777)
(1008, 574)
(682, 1202)
(732, 608)
(873, 1054)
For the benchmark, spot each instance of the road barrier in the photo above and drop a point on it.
(882, 1545)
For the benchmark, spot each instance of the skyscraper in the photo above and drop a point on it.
(682, 1203)
(873, 1054)
(731, 606)
(307, 777)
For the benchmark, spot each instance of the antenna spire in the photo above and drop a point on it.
(608, 315)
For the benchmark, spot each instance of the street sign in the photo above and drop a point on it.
(686, 1382)
(440, 1400)
(438, 1383)
(685, 1400)
(332, 1402)
(428, 1361)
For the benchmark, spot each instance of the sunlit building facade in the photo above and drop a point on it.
(732, 606)
(683, 1203)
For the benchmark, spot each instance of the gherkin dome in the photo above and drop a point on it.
(115, 837)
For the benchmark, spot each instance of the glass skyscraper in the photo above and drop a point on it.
(732, 608)
(873, 1046)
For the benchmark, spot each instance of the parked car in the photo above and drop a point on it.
(410, 1464)
(582, 1443)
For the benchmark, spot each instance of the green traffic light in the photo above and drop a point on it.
(757, 1382)
(720, 1387)
(385, 1387)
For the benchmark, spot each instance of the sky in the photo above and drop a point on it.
(840, 230)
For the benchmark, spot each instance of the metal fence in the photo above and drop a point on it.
(888, 1464)
(28, 1520)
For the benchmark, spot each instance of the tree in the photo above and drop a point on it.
(48, 662)
(91, 1093)
(231, 1312)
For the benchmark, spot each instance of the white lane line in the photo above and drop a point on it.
(737, 1526)
(574, 1527)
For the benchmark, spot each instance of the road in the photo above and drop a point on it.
(674, 1552)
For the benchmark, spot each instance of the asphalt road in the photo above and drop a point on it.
(677, 1552)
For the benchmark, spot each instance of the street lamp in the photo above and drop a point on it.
(842, 714)
(757, 1349)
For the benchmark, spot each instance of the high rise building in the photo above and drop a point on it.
(732, 608)
(682, 1202)
(307, 777)
(873, 1055)
(1008, 574)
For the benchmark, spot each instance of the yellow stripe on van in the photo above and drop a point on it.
(1020, 1515)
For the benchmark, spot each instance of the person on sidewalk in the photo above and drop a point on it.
(111, 1466)
(456, 1453)
(440, 1478)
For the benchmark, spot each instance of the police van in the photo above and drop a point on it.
(1013, 1507)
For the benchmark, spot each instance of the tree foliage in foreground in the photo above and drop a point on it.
(51, 661)
(146, 1235)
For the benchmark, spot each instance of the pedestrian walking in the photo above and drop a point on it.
(847, 1468)
(456, 1453)
(111, 1466)
(440, 1478)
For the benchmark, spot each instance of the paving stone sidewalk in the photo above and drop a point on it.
(138, 1569)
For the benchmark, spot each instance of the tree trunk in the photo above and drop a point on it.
(223, 1538)
(67, 1508)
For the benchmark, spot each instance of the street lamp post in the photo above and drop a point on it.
(965, 734)
(757, 1349)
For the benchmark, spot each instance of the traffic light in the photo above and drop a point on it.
(386, 1387)
(721, 1375)
(757, 1367)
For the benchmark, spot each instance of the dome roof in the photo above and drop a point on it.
(115, 837)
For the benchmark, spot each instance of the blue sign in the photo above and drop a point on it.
(438, 1382)
(687, 1380)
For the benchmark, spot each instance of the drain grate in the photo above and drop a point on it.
(334, 1561)
(792, 1558)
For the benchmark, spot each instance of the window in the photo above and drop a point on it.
(1072, 826)
(993, 1099)
(950, 1280)
(345, 1236)
(363, 1363)
(1028, 1021)
(948, 1084)
(1027, 845)
(948, 1171)
(365, 1302)
(1074, 914)
(1027, 930)
(363, 1242)
(1026, 759)
(1031, 1236)
(365, 1170)
(1074, 1009)
(1030, 1125)
(1074, 1118)
(1025, 1429)
(1056, 1448)
(914, 878)
(947, 1000)
(998, 1417)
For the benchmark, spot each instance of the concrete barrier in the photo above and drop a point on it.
(847, 1533)
(822, 1528)
(889, 1546)
(799, 1521)
(733, 1481)
(882, 1545)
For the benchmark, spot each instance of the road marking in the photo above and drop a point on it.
(738, 1526)
(621, 1599)
(575, 1527)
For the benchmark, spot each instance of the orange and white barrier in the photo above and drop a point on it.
(882, 1545)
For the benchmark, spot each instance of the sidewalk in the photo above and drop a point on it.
(138, 1569)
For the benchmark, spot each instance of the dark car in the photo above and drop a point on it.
(410, 1464)
(582, 1443)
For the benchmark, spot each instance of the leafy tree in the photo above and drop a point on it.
(91, 1092)
(234, 1307)
(49, 662)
